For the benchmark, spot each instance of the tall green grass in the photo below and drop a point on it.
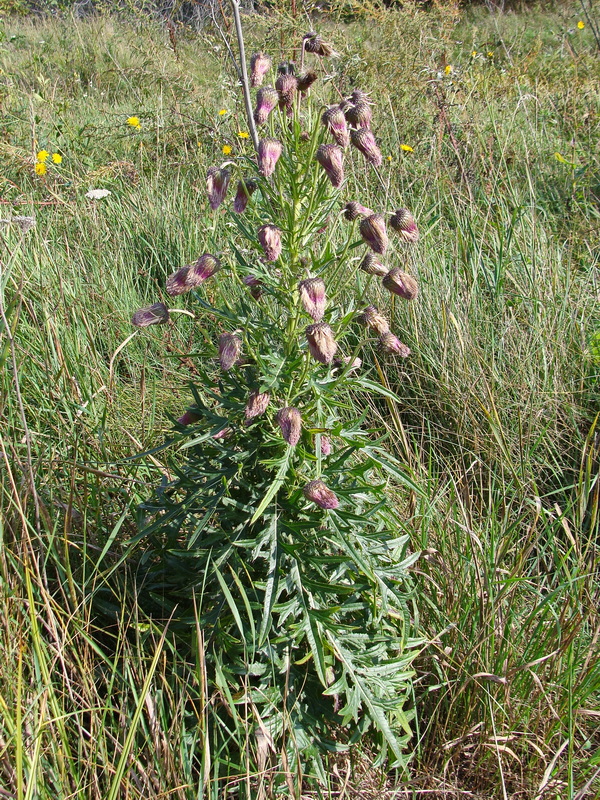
(498, 419)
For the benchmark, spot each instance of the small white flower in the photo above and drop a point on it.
(97, 194)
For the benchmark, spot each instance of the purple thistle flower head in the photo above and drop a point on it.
(269, 151)
(306, 80)
(254, 285)
(266, 100)
(156, 314)
(359, 115)
(317, 492)
(260, 64)
(321, 343)
(401, 283)
(373, 231)
(312, 297)
(230, 350)
(217, 181)
(290, 422)
(372, 265)
(222, 434)
(313, 43)
(358, 96)
(363, 140)
(325, 445)
(257, 404)
(354, 210)
(192, 275)
(287, 86)
(331, 158)
(335, 122)
(177, 282)
(371, 318)
(269, 237)
(391, 345)
(403, 222)
(245, 190)
(188, 418)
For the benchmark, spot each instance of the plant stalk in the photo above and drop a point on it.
(245, 85)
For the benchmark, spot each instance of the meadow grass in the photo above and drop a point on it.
(497, 422)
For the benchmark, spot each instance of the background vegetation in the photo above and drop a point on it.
(497, 423)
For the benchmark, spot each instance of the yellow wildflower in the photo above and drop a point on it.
(581, 24)
(42, 156)
(40, 168)
(473, 53)
(490, 53)
(448, 69)
(389, 158)
(56, 158)
(407, 148)
(243, 134)
(134, 122)
(226, 149)
(222, 112)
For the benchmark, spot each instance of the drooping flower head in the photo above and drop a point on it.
(321, 343)
(257, 404)
(317, 492)
(192, 275)
(312, 297)
(255, 286)
(245, 190)
(188, 418)
(266, 100)
(156, 314)
(401, 283)
(269, 151)
(403, 222)
(391, 345)
(373, 231)
(359, 115)
(290, 422)
(363, 140)
(331, 158)
(325, 445)
(260, 64)
(372, 265)
(217, 181)
(335, 122)
(373, 319)
(313, 43)
(230, 350)
(354, 210)
(306, 80)
(269, 237)
(287, 86)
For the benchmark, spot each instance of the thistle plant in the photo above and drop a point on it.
(277, 535)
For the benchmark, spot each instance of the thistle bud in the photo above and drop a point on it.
(257, 404)
(372, 229)
(306, 80)
(331, 158)
(321, 343)
(358, 96)
(222, 434)
(188, 418)
(372, 265)
(317, 492)
(230, 349)
(260, 64)
(335, 122)
(217, 181)
(391, 345)
(313, 43)
(325, 445)
(342, 363)
(245, 190)
(156, 314)
(269, 237)
(312, 297)
(345, 105)
(290, 422)
(372, 319)
(266, 100)
(254, 285)
(403, 222)
(401, 283)
(287, 86)
(363, 140)
(354, 210)
(192, 275)
(359, 115)
(269, 151)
